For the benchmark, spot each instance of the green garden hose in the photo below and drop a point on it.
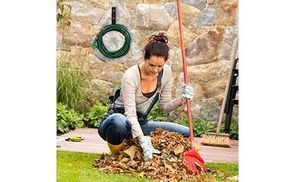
(98, 43)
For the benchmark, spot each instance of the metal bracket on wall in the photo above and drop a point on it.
(113, 15)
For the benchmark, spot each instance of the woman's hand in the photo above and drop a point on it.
(147, 147)
(187, 92)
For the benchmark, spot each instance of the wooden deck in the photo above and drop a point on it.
(94, 144)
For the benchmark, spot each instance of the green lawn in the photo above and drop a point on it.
(77, 167)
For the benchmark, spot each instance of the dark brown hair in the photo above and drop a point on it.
(157, 46)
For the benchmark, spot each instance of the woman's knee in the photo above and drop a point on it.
(181, 129)
(117, 120)
(115, 128)
(114, 123)
(185, 132)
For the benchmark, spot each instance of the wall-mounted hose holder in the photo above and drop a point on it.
(98, 42)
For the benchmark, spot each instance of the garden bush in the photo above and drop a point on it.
(202, 126)
(199, 126)
(234, 128)
(157, 114)
(67, 119)
(95, 114)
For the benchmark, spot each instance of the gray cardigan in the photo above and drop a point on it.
(132, 100)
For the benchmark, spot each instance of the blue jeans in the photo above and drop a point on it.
(116, 128)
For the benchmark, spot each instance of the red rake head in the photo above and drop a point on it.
(194, 162)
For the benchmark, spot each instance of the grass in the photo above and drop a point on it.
(75, 166)
(71, 86)
(223, 170)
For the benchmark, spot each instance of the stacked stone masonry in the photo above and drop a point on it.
(210, 28)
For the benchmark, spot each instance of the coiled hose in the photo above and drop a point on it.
(98, 43)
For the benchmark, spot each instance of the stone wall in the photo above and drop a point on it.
(210, 28)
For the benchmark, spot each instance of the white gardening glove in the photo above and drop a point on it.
(147, 147)
(187, 92)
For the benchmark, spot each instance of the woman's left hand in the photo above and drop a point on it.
(187, 92)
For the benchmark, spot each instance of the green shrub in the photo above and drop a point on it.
(95, 114)
(234, 129)
(157, 114)
(72, 87)
(67, 119)
(199, 126)
(202, 126)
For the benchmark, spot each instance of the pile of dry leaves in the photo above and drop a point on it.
(168, 166)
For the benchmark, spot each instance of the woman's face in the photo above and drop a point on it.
(154, 65)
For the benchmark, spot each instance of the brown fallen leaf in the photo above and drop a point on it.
(138, 155)
(131, 151)
(124, 159)
(179, 149)
(172, 159)
(169, 167)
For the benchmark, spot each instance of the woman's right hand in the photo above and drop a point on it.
(147, 147)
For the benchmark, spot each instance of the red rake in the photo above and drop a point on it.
(194, 162)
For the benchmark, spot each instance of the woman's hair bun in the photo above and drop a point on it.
(156, 46)
(160, 37)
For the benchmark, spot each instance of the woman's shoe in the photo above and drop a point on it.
(115, 148)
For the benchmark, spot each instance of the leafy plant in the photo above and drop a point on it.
(72, 87)
(95, 114)
(157, 114)
(67, 119)
(63, 12)
(234, 129)
(202, 126)
(199, 126)
(182, 120)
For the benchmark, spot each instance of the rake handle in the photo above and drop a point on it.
(188, 102)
